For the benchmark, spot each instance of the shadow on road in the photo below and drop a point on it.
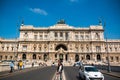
(77, 77)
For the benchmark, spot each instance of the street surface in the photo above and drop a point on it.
(105, 67)
(47, 73)
(37, 74)
(71, 73)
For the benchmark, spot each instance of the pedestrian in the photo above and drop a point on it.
(21, 65)
(33, 64)
(18, 65)
(11, 66)
(59, 69)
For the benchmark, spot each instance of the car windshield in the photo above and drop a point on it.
(91, 69)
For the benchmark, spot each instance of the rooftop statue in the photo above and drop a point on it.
(61, 21)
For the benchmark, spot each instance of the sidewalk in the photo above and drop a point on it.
(114, 74)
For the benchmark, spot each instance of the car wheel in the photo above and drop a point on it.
(84, 78)
(80, 77)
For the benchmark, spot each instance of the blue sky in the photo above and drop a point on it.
(82, 13)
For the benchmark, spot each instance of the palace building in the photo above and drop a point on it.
(60, 41)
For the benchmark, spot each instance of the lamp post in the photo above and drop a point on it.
(109, 68)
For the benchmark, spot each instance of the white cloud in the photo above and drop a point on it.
(39, 11)
(74, 0)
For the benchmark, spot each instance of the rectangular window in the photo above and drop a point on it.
(41, 37)
(111, 59)
(66, 35)
(117, 59)
(98, 49)
(56, 35)
(87, 37)
(24, 47)
(76, 37)
(45, 37)
(81, 37)
(35, 37)
(61, 34)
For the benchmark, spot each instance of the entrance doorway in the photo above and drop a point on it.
(61, 57)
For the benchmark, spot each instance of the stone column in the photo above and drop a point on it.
(84, 36)
(63, 57)
(57, 56)
(64, 37)
(79, 57)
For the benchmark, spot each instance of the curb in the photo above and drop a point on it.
(110, 74)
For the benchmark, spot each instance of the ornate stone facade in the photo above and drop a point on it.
(60, 41)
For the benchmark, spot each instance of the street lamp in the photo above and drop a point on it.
(109, 69)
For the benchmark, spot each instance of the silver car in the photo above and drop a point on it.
(90, 73)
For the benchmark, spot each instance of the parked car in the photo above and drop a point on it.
(78, 64)
(90, 73)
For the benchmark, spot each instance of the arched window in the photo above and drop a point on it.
(76, 57)
(34, 56)
(61, 46)
(98, 57)
(45, 57)
(24, 56)
(87, 57)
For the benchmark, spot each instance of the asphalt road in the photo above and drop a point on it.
(45, 73)
(105, 67)
(71, 73)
